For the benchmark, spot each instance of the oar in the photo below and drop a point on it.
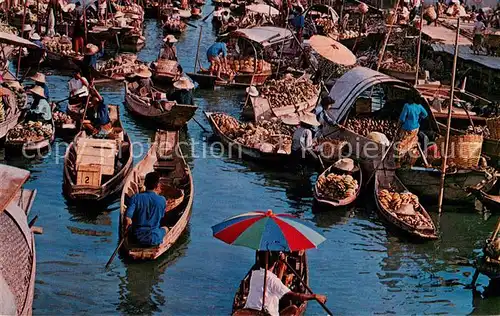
(205, 18)
(306, 286)
(66, 99)
(85, 111)
(192, 25)
(202, 127)
(117, 248)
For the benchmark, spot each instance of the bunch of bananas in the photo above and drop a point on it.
(394, 200)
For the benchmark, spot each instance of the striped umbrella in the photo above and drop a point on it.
(267, 231)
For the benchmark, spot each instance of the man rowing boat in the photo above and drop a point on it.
(275, 289)
(145, 212)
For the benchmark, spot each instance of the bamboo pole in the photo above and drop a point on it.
(198, 49)
(448, 126)
(386, 40)
(419, 46)
(22, 35)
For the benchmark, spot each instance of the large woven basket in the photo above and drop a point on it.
(464, 150)
(494, 127)
(166, 66)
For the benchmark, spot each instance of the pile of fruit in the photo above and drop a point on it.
(365, 125)
(349, 34)
(61, 118)
(59, 44)
(121, 66)
(267, 136)
(173, 25)
(397, 63)
(19, 94)
(337, 187)
(478, 130)
(31, 131)
(392, 201)
(8, 29)
(327, 25)
(288, 91)
(248, 65)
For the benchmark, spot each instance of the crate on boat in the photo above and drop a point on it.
(89, 175)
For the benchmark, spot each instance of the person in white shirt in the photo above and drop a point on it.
(302, 139)
(478, 30)
(78, 91)
(275, 289)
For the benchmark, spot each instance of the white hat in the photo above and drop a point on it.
(346, 164)
(291, 119)
(309, 118)
(252, 91)
(35, 37)
(27, 28)
(183, 83)
(38, 77)
(170, 39)
(144, 72)
(38, 91)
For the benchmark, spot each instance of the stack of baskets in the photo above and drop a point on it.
(166, 67)
(494, 127)
(464, 150)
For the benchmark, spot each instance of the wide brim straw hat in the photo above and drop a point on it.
(183, 83)
(38, 91)
(170, 39)
(291, 119)
(27, 28)
(252, 91)
(309, 119)
(144, 72)
(91, 49)
(35, 37)
(346, 164)
(38, 77)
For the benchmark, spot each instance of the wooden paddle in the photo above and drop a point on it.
(192, 25)
(120, 244)
(205, 18)
(306, 286)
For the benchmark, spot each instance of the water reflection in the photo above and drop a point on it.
(140, 289)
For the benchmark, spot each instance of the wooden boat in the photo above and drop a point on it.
(240, 80)
(19, 146)
(164, 157)
(175, 118)
(407, 76)
(95, 169)
(60, 61)
(239, 150)
(11, 120)
(299, 263)
(491, 202)
(425, 182)
(101, 77)
(387, 179)
(132, 42)
(17, 244)
(357, 175)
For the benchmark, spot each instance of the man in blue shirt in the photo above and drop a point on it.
(145, 212)
(216, 55)
(299, 22)
(92, 54)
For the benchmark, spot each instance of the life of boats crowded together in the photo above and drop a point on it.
(392, 102)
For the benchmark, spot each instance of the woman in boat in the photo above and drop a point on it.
(78, 88)
(169, 52)
(97, 121)
(145, 212)
(217, 56)
(302, 139)
(275, 289)
(409, 121)
(92, 54)
(40, 110)
(40, 81)
(183, 91)
(144, 80)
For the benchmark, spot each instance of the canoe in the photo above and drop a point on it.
(299, 262)
(357, 175)
(101, 77)
(59, 61)
(387, 179)
(205, 80)
(164, 157)
(239, 150)
(15, 146)
(17, 245)
(491, 202)
(425, 182)
(173, 119)
(110, 182)
(11, 120)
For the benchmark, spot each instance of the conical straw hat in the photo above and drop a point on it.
(332, 50)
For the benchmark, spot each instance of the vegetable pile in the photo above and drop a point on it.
(288, 91)
(248, 65)
(61, 118)
(392, 201)
(119, 67)
(336, 187)
(59, 44)
(30, 132)
(364, 126)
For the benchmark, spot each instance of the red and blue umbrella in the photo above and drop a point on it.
(267, 231)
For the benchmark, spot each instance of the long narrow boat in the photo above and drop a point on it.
(11, 120)
(387, 180)
(166, 158)
(299, 263)
(60, 61)
(326, 201)
(17, 244)
(110, 161)
(174, 118)
(18, 146)
(237, 150)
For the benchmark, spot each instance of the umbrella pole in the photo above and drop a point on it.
(304, 284)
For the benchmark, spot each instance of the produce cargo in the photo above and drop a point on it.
(337, 187)
(394, 202)
(60, 45)
(288, 91)
(121, 66)
(61, 118)
(30, 132)
(364, 126)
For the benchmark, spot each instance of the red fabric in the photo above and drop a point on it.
(231, 233)
(296, 241)
(433, 151)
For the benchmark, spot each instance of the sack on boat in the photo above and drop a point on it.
(406, 209)
(266, 148)
(379, 138)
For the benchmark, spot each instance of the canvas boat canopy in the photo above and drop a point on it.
(11, 39)
(264, 35)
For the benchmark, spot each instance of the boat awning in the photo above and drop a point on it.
(262, 9)
(351, 85)
(12, 180)
(264, 35)
(11, 39)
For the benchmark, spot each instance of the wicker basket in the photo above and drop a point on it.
(464, 150)
(494, 127)
(166, 66)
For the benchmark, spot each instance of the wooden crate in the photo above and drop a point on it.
(89, 174)
(97, 152)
